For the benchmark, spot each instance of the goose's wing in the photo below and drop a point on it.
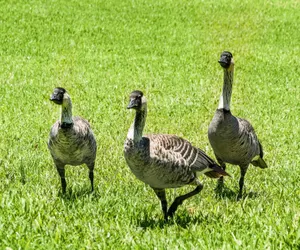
(245, 125)
(85, 136)
(81, 123)
(251, 141)
(54, 129)
(181, 153)
(82, 128)
(247, 137)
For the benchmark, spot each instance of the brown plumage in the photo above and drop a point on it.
(71, 139)
(164, 161)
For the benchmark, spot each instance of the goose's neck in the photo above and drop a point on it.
(225, 97)
(135, 132)
(66, 112)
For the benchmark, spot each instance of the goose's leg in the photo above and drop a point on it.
(61, 170)
(179, 200)
(221, 179)
(241, 181)
(91, 173)
(161, 194)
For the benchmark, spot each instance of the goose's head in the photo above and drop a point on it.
(226, 59)
(137, 100)
(58, 95)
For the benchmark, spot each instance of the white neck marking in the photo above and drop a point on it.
(66, 112)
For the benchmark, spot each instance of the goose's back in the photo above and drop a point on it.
(233, 139)
(75, 145)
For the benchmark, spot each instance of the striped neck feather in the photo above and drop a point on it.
(66, 112)
(225, 97)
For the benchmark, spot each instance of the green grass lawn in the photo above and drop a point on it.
(102, 50)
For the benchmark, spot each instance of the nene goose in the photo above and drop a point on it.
(233, 139)
(164, 161)
(71, 139)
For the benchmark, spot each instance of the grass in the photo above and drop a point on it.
(102, 50)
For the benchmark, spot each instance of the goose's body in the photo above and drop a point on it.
(233, 139)
(164, 161)
(71, 139)
(74, 145)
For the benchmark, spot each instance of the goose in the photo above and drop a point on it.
(164, 161)
(71, 139)
(233, 139)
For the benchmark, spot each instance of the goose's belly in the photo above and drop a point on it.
(71, 153)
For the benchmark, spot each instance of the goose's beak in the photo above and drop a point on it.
(132, 104)
(55, 99)
(224, 62)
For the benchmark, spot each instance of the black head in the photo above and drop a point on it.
(225, 59)
(58, 95)
(135, 100)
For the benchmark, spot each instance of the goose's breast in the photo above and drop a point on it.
(70, 150)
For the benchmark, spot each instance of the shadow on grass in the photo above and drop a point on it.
(252, 195)
(182, 220)
(151, 223)
(186, 220)
(222, 192)
(72, 195)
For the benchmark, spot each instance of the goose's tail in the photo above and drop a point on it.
(257, 161)
(216, 171)
(209, 167)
